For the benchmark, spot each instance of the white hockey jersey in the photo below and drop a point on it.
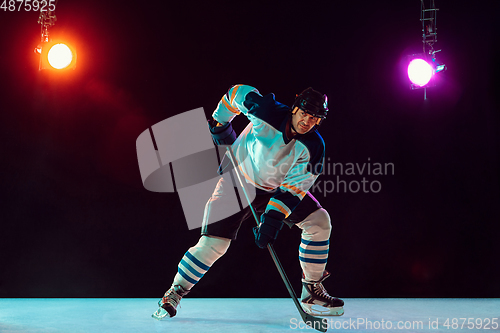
(267, 158)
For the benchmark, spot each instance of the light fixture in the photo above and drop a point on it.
(420, 72)
(424, 66)
(54, 54)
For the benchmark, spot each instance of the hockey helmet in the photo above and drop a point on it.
(312, 102)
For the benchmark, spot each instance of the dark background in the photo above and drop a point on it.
(77, 222)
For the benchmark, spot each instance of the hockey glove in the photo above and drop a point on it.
(267, 231)
(222, 135)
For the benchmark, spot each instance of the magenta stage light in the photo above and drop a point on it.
(420, 72)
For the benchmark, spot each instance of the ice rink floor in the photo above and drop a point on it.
(245, 315)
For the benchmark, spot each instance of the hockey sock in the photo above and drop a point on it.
(198, 259)
(314, 245)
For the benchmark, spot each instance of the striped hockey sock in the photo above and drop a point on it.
(313, 256)
(198, 259)
(313, 250)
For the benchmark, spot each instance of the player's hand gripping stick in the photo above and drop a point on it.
(267, 231)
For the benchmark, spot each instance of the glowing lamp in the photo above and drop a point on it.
(60, 56)
(420, 72)
(56, 56)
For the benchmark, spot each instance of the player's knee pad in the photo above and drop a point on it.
(211, 248)
(317, 223)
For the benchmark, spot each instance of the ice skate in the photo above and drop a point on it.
(168, 304)
(316, 301)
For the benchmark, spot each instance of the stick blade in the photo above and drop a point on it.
(319, 324)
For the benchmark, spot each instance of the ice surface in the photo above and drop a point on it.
(237, 315)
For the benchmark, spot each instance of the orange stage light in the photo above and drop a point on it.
(56, 55)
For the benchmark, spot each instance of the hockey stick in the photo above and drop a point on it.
(317, 323)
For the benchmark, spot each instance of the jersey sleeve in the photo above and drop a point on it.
(295, 186)
(233, 103)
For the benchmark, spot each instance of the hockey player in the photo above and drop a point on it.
(281, 154)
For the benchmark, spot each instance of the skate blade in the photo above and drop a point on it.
(160, 314)
(321, 311)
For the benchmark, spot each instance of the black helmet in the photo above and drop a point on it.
(312, 102)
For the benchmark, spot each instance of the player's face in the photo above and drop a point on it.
(303, 122)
